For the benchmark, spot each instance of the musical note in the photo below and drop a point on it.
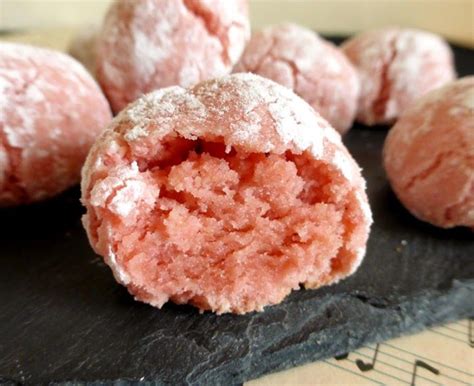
(341, 357)
(423, 365)
(364, 366)
(471, 334)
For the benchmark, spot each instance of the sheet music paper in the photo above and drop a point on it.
(442, 355)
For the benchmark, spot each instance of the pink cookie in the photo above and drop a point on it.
(149, 44)
(83, 48)
(396, 67)
(226, 196)
(429, 156)
(312, 67)
(51, 111)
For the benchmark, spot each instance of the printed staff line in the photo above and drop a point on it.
(447, 336)
(352, 372)
(463, 331)
(428, 359)
(454, 334)
(450, 331)
(398, 368)
(459, 331)
(411, 364)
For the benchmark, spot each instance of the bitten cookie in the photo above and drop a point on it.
(397, 66)
(227, 195)
(312, 67)
(148, 44)
(51, 111)
(429, 156)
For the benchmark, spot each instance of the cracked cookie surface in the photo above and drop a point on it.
(51, 111)
(312, 67)
(149, 44)
(429, 156)
(397, 66)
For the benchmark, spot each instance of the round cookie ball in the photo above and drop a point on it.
(83, 48)
(397, 66)
(149, 44)
(312, 67)
(227, 196)
(51, 111)
(429, 156)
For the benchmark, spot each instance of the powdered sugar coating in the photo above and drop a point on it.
(147, 162)
(51, 111)
(429, 156)
(312, 67)
(149, 44)
(397, 66)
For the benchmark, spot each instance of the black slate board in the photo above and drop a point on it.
(63, 317)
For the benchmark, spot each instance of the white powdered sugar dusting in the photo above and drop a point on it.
(120, 275)
(189, 74)
(294, 120)
(123, 190)
(247, 97)
(144, 111)
(149, 52)
(344, 164)
(145, 45)
(126, 199)
(314, 68)
(246, 130)
(236, 43)
(413, 49)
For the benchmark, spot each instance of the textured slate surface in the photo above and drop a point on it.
(63, 317)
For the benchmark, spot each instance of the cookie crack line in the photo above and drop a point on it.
(200, 14)
(262, 58)
(295, 70)
(384, 93)
(15, 153)
(14, 157)
(463, 200)
(430, 169)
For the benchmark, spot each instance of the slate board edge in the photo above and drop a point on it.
(427, 309)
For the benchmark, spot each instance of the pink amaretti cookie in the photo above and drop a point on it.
(397, 66)
(51, 111)
(226, 196)
(149, 44)
(312, 67)
(429, 156)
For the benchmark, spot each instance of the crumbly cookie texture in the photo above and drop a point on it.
(227, 196)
